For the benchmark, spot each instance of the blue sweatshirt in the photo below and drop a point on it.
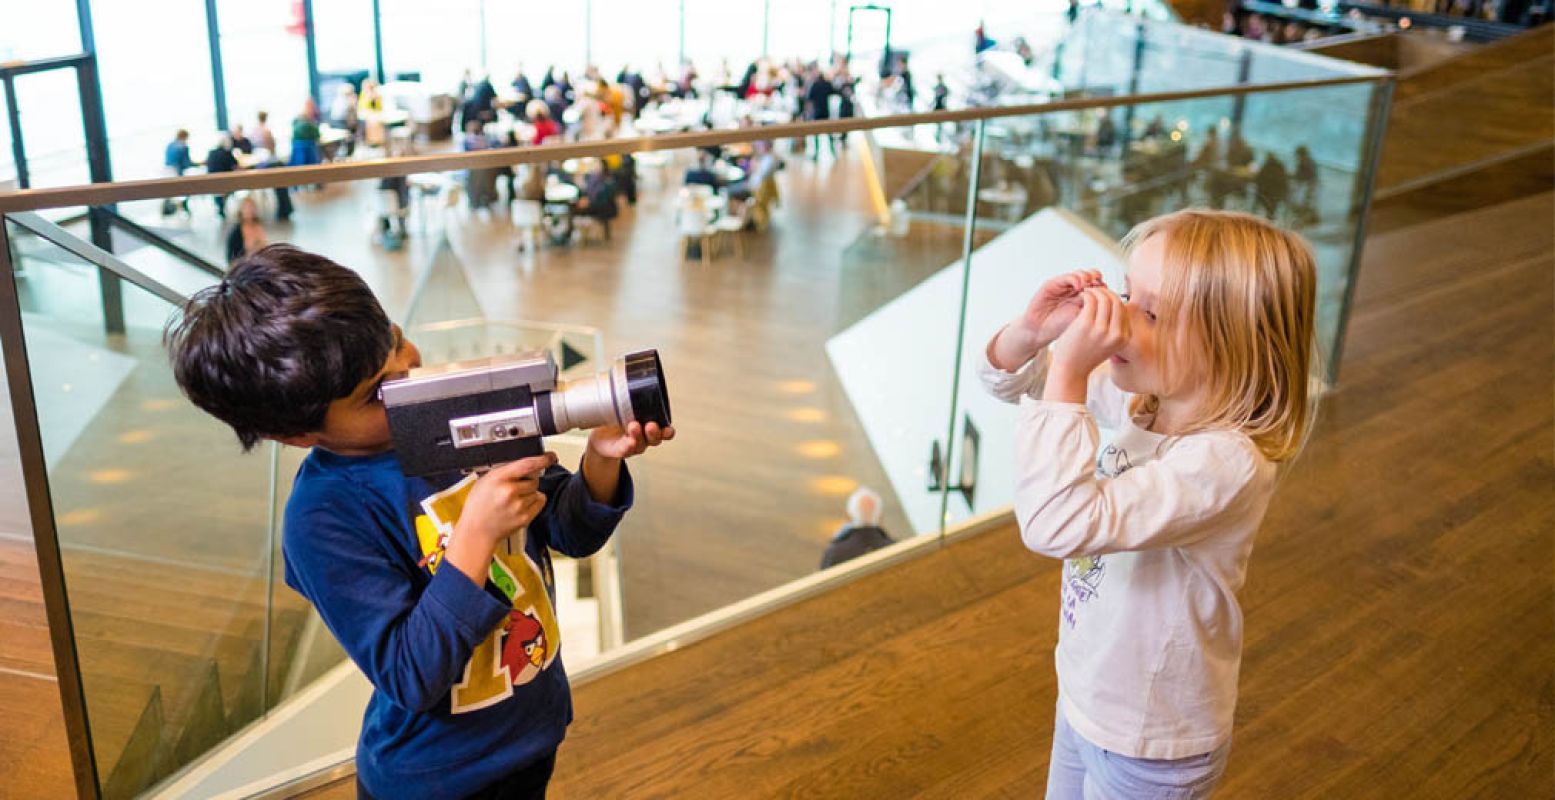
(468, 681)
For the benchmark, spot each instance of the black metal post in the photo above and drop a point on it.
(110, 286)
(313, 50)
(378, 42)
(51, 570)
(1239, 103)
(1133, 86)
(218, 80)
(18, 150)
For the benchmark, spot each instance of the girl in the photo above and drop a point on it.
(1201, 367)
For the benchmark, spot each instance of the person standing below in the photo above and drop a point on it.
(817, 107)
(177, 161)
(305, 140)
(264, 138)
(246, 236)
(264, 148)
(1202, 367)
(221, 159)
(541, 120)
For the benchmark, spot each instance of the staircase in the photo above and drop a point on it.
(171, 659)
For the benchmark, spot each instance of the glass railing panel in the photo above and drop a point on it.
(1099, 194)
(162, 526)
(774, 298)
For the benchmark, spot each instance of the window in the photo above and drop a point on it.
(150, 92)
(264, 55)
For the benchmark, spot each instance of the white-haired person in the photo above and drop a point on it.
(1202, 367)
(862, 534)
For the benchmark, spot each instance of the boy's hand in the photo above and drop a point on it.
(1099, 330)
(611, 441)
(504, 500)
(1046, 317)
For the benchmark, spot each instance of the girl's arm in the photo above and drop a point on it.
(1102, 397)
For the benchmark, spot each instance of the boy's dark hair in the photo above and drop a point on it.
(268, 348)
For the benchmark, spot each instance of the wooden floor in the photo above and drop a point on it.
(1398, 607)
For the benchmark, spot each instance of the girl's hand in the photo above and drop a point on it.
(1048, 314)
(611, 441)
(1055, 304)
(1099, 330)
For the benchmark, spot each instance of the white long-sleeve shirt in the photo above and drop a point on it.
(1155, 532)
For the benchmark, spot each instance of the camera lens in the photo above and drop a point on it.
(645, 387)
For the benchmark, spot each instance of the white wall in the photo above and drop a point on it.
(896, 363)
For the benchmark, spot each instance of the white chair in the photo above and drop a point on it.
(730, 228)
(694, 222)
(528, 219)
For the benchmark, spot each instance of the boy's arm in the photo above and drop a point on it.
(411, 644)
(576, 524)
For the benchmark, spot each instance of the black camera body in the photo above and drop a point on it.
(470, 415)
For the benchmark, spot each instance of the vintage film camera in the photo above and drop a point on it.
(469, 415)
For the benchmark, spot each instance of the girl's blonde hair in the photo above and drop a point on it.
(1238, 296)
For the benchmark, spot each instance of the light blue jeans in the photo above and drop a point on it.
(1080, 770)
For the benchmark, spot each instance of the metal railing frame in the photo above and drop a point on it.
(15, 208)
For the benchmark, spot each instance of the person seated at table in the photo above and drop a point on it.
(1239, 154)
(370, 101)
(623, 169)
(555, 104)
(241, 143)
(542, 121)
(221, 159)
(1273, 186)
(474, 137)
(343, 115)
(246, 236)
(762, 164)
(703, 173)
(525, 92)
(593, 118)
(598, 197)
(637, 93)
(482, 102)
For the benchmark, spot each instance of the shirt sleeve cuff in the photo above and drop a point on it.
(592, 512)
(469, 608)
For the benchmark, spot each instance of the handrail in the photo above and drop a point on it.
(95, 255)
(226, 182)
(161, 242)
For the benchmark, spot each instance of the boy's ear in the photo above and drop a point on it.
(303, 441)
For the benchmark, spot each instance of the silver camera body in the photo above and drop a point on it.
(469, 415)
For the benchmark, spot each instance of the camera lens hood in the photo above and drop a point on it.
(646, 389)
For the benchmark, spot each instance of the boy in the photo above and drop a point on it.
(435, 588)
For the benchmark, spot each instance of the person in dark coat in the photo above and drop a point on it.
(221, 159)
(862, 534)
